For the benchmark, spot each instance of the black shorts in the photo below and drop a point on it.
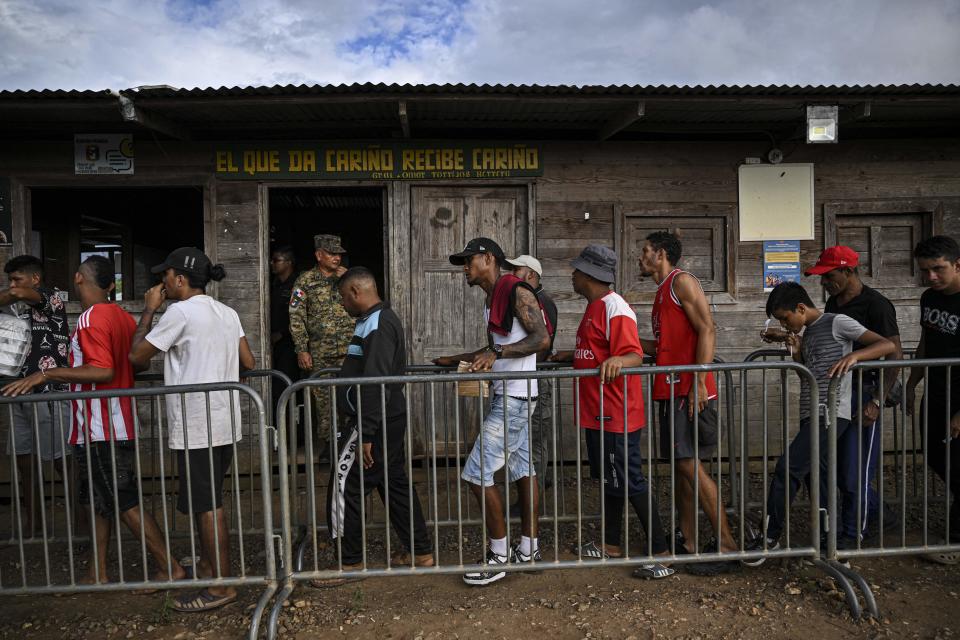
(204, 491)
(620, 474)
(682, 448)
(99, 473)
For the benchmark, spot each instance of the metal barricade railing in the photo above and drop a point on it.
(852, 466)
(150, 417)
(449, 554)
(111, 463)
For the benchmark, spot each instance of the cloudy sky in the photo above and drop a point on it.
(96, 44)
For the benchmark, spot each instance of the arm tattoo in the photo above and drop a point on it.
(528, 313)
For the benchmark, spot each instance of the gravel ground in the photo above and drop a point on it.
(783, 598)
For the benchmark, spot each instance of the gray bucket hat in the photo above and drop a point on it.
(598, 262)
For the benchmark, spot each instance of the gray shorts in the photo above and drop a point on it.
(682, 446)
(50, 425)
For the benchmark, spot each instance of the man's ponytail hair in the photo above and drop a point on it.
(215, 272)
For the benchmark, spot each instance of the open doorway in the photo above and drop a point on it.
(134, 227)
(356, 214)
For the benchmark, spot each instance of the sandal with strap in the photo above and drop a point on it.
(203, 601)
(655, 571)
(592, 551)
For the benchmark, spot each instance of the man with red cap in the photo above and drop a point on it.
(858, 450)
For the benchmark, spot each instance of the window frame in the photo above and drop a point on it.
(725, 211)
(932, 209)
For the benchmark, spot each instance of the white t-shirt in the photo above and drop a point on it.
(515, 388)
(201, 341)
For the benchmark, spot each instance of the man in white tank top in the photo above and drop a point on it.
(516, 332)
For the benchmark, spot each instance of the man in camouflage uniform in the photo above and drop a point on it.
(319, 326)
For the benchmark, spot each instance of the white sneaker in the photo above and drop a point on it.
(490, 574)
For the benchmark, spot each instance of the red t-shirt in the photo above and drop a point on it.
(608, 328)
(103, 338)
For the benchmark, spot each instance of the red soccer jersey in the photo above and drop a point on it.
(102, 339)
(608, 328)
(676, 342)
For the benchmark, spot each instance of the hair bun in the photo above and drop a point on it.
(217, 272)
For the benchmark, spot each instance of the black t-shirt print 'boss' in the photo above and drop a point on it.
(940, 323)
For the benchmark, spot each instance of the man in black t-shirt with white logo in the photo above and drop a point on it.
(938, 259)
(858, 450)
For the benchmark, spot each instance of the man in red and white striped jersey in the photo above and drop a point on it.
(684, 334)
(103, 429)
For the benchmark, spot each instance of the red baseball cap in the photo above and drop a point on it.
(834, 258)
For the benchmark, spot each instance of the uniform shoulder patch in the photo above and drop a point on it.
(297, 297)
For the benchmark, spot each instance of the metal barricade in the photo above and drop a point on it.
(248, 454)
(372, 554)
(121, 471)
(861, 530)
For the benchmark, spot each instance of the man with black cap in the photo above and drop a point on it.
(320, 328)
(202, 341)
(840, 278)
(611, 409)
(516, 332)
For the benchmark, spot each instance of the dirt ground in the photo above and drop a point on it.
(782, 599)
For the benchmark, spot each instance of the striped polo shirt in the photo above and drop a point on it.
(826, 340)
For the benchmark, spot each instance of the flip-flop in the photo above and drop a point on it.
(655, 571)
(203, 601)
(943, 557)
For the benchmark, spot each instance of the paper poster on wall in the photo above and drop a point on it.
(776, 201)
(99, 154)
(781, 262)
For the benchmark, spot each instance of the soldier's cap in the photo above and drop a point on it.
(598, 262)
(329, 243)
(186, 260)
(527, 261)
(477, 246)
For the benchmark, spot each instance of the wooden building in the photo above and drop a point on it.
(406, 174)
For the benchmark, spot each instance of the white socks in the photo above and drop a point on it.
(528, 545)
(499, 546)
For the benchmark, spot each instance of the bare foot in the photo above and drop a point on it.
(91, 578)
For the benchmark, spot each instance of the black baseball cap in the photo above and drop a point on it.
(479, 245)
(187, 260)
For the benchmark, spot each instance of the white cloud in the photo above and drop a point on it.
(189, 43)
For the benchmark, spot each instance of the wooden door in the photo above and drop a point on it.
(447, 314)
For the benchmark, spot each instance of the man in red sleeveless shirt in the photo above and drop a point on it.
(684, 334)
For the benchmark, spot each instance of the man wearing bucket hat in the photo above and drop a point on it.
(320, 328)
(611, 412)
(516, 332)
(840, 278)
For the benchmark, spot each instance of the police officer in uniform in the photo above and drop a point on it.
(319, 326)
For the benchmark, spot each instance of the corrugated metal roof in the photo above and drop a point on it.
(395, 90)
(371, 111)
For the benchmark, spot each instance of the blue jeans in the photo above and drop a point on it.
(490, 452)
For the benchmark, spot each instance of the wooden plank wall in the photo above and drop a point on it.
(606, 180)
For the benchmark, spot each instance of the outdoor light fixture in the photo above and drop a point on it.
(822, 124)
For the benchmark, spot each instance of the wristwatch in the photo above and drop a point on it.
(497, 350)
